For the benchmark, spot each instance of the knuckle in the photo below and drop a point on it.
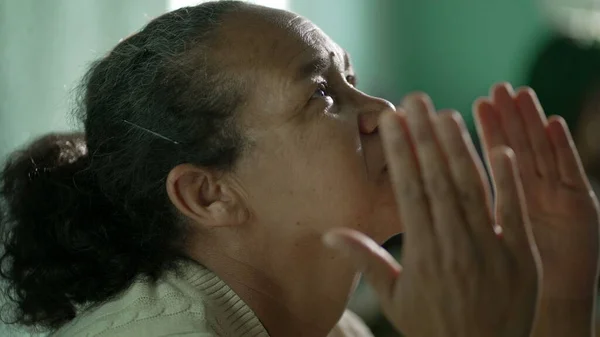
(423, 137)
(411, 190)
(438, 185)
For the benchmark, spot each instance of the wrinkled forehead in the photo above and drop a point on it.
(261, 37)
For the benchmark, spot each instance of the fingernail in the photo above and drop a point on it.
(331, 240)
(498, 230)
(334, 242)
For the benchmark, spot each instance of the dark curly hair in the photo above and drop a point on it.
(84, 214)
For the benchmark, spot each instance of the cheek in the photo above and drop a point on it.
(316, 176)
(331, 176)
(317, 180)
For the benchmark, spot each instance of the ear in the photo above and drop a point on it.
(204, 197)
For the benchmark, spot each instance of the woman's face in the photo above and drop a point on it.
(315, 159)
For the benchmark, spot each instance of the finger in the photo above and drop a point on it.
(488, 126)
(470, 179)
(511, 211)
(446, 211)
(570, 169)
(535, 124)
(377, 265)
(406, 180)
(512, 124)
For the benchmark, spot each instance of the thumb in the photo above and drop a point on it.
(379, 268)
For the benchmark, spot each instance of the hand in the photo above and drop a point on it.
(562, 207)
(458, 278)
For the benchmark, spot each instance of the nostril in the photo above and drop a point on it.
(368, 123)
(368, 119)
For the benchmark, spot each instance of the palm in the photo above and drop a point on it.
(562, 208)
(565, 226)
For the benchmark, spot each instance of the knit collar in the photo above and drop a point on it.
(234, 317)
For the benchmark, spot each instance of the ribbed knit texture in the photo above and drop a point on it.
(194, 302)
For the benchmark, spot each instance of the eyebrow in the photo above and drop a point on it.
(314, 67)
(319, 64)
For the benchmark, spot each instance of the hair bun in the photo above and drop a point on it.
(44, 193)
(52, 153)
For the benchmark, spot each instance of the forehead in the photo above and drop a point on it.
(264, 38)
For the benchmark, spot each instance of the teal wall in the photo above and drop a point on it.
(454, 49)
(45, 47)
(461, 47)
(371, 32)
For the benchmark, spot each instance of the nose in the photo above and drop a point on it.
(370, 110)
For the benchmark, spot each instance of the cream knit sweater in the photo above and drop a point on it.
(193, 302)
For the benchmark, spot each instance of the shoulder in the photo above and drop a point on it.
(189, 301)
(350, 325)
(145, 309)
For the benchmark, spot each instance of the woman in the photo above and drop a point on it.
(223, 140)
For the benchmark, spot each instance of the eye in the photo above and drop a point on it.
(322, 91)
(351, 79)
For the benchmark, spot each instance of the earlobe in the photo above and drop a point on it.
(230, 209)
(204, 198)
(227, 213)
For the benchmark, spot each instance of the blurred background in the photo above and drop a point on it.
(452, 49)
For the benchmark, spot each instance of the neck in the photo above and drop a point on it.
(294, 288)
